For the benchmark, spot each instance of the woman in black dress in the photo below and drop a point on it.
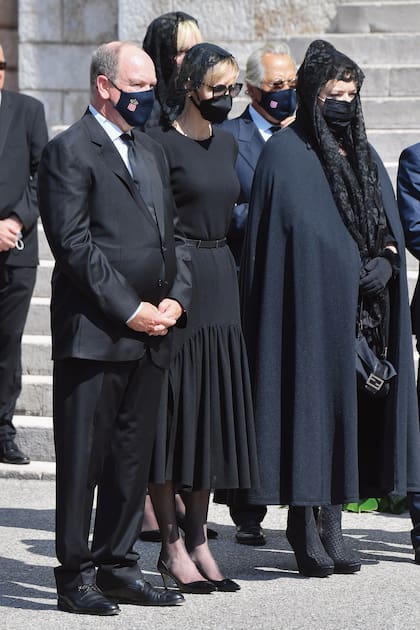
(206, 434)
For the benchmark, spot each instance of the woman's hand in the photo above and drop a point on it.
(377, 273)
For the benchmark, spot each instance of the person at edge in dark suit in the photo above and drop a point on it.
(408, 195)
(271, 81)
(120, 283)
(23, 134)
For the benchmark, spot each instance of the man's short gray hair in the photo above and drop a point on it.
(254, 68)
(104, 61)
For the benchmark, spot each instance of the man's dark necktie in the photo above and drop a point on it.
(275, 128)
(139, 170)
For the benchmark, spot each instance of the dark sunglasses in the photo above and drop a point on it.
(221, 90)
(3, 65)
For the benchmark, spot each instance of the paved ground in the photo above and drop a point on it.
(384, 595)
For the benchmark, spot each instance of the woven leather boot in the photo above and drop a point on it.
(329, 527)
(302, 534)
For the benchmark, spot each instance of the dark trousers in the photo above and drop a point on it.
(16, 287)
(241, 512)
(104, 427)
(414, 497)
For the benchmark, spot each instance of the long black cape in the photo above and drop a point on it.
(299, 285)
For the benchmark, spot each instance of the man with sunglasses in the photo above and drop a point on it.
(23, 134)
(271, 81)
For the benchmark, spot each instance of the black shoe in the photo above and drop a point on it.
(11, 454)
(86, 599)
(151, 535)
(302, 534)
(141, 593)
(329, 527)
(199, 587)
(417, 555)
(250, 534)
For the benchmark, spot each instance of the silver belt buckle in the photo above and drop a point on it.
(374, 383)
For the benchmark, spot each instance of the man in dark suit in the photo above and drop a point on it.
(23, 134)
(408, 194)
(271, 80)
(120, 282)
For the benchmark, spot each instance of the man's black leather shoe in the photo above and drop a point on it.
(417, 554)
(141, 593)
(86, 599)
(250, 534)
(11, 454)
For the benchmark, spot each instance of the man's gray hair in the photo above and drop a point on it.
(104, 61)
(254, 68)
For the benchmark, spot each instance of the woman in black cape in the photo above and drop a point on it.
(325, 249)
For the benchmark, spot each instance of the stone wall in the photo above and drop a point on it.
(9, 40)
(238, 25)
(56, 37)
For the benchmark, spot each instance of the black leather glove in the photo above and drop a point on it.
(375, 276)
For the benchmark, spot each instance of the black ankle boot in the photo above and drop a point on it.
(302, 534)
(329, 527)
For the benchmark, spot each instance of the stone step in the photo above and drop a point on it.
(43, 279)
(391, 79)
(384, 48)
(36, 396)
(35, 437)
(391, 113)
(36, 354)
(34, 470)
(44, 248)
(390, 143)
(377, 17)
(38, 321)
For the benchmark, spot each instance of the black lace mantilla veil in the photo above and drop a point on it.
(353, 179)
(197, 61)
(160, 43)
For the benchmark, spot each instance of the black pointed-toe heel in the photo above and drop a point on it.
(199, 587)
(226, 585)
(303, 537)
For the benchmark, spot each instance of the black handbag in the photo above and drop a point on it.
(373, 374)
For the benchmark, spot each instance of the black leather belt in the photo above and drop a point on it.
(192, 242)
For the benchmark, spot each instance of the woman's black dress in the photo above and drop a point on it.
(205, 435)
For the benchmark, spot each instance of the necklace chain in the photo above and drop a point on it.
(176, 124)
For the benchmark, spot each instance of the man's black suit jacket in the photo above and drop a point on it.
(23, 135)
(110, 251)
(250, 144)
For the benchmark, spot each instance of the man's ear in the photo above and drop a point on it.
(253, 92)
(103, 86)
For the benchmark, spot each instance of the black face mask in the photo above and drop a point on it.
(279, 104)
(215, 109)
(338, 114)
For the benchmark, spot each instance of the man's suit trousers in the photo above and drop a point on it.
(104, 428)
(16, 287)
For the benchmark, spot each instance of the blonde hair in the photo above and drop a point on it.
(188, 32)
(220, 69)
